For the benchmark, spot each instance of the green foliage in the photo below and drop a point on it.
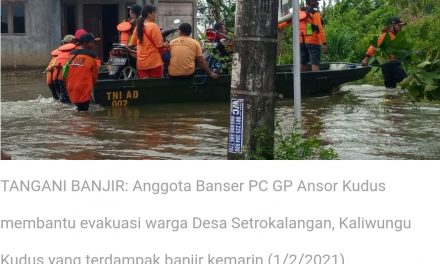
(353, 22)
(399, 48)
(350, 101)
(423, 31)
(416, 6)
(341, 42)
(286, 49)
(212, 11)
(424, 82)
(264, 139)
(293, 147)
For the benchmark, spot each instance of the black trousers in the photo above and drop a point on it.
(83, 106)
(54, 91)
(392, 73)
(63, 96)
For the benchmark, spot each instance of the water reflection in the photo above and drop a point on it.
(36, 127)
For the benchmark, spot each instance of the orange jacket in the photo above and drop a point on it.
(372, 50)
(63, 55)
(50, 69)
(83, 73)
(148, 56)
(318, 35)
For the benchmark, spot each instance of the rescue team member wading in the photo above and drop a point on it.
(63, 55)
(392, 71)
(148, 38)
(184, 52)
(83, 72)
(52, 69)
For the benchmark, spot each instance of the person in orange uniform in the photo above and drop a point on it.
(52, 69)
(392, 70)
(83, 72)
(184, 52)
(312, 35)
(148, 38)
(61, 60)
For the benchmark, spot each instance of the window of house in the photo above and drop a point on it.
(13, 18)
(18, 13)
(5, 24)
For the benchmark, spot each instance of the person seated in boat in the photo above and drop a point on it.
(83, 72)
(185, 51)
(148, 38)
(312, 35)
(392, 70)
(220, 39)
(126, 28)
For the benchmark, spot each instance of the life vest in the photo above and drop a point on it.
(64, 52)
(124, 29)
(51, 67)
(306, 26)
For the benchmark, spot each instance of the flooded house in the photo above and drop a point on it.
(32, 28)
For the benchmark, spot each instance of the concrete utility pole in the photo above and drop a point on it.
(253, 80)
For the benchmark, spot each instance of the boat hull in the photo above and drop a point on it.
(119, 93)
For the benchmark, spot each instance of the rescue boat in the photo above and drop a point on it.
(118, 93)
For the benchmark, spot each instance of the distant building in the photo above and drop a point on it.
(32, 28)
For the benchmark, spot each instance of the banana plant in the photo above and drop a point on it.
(424, 82)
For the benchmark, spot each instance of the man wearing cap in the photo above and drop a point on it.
(51, 68)
(78, 33)
(62, 57)
(83, 72)
(392, 70)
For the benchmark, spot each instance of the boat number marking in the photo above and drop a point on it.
(121, 98)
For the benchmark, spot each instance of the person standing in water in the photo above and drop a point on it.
(392, 70)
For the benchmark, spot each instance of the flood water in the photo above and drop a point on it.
(33, 126)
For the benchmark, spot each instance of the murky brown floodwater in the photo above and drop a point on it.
(33, 126)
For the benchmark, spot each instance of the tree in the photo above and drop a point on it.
(212, 11)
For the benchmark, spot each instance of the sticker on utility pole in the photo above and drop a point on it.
(236, 126)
